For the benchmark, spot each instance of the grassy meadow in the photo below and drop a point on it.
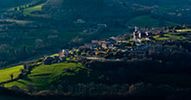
(5, 73)
(43, 76)
(29, 11)
(169, 36)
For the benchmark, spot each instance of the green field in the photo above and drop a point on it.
(169, 36)
(183, 30)
(30, 10)
(5, 73)
(43, 76)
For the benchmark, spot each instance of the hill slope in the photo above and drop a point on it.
(46, 77)
(159, 66)
(45, 27)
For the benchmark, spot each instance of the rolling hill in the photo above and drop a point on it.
(40, 27)
(148, 70)
(45, 77)
(31, 29)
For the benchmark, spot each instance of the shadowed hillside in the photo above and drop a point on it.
(12, 3)
(39, 27)
(101, 49)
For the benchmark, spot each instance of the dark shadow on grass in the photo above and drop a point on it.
(44, 74)
(19, 81)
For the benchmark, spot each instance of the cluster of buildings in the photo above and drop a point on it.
(96, 50)
(119, 48)
(112, 49)
(63, 55)
(138, 35)
(145, 34)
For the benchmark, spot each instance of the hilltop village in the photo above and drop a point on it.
(140, 44)
(120, 65)
(99, 50)
(143, 44)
